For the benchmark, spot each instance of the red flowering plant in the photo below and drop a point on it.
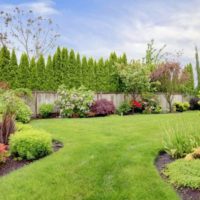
(137, 106)
(3, 153)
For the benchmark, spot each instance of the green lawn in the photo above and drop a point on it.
(109, 158)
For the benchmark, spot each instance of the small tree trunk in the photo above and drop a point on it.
(7, 128)
(169, 99)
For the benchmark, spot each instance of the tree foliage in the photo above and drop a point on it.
(170, 76)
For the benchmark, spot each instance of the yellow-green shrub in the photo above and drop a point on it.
(30, 144)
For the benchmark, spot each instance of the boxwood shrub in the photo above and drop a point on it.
(30, 144)
(45, 110)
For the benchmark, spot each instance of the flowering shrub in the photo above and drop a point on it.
(137, 106)
(3, 153)
(102, 107)
(74, 102)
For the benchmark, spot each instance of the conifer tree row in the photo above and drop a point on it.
(64, 67)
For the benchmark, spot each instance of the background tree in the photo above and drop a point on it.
(4, 64)
(197, 67)
(188, 87)
(170, 76)
(135, 78)
(24, 71)
(153, 56)
(50, 74)
(34, 34)
(41, 75)
(33, 82)
(13, 66)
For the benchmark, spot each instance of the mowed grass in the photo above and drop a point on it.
(110, 158)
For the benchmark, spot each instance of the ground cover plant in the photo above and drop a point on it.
(102, 158)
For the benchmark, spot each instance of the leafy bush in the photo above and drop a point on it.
(150, 104)
(181, 139)
(23, 93)
(194, 103)
(30, 144)
(23, 112)
(124, 108)
(3, 153)
(183, 173)
(45, 110)
(74, 101)
(181, 107)
(102, 107)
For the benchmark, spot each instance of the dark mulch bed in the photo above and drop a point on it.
(12, 164)
(185, 193)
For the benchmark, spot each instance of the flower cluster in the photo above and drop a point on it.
(3, 153)
(136, 104)
(74, 101)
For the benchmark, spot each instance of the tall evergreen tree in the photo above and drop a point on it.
(5, 74)
(50, 74)
(189, 86)
(24, 74)
(57, 63)
(13, 70)
(33, 82)
(84, 72)
(72, 68)
(64, 64)
(112, 72)
(41, 73)
(91, 77)
(78, 71)
(197, 67)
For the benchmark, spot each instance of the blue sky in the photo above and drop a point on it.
(97, 27)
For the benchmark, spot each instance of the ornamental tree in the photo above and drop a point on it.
(134, 77)
(170, 76)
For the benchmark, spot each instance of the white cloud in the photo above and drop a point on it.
(45, 8)
(174, 24)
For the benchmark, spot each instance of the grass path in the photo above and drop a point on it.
(109, 158)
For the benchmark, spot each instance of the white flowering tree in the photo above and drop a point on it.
(74, 102)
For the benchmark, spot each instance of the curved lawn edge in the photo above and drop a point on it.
(185, 193)
(12, 164)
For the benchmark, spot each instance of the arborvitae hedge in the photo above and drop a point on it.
(64, 67)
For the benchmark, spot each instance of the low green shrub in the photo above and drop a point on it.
(181, 139)
(30, 144)
(23, 112)
(125, 108)
(183, 173)
(45, 110)
(181, 106)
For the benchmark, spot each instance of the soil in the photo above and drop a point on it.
(185, 193)
(12, 164)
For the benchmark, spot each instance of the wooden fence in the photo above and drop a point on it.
(117, 98)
